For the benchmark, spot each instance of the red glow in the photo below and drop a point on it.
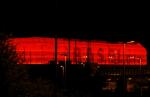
(35, 50)
(81, 51)
(63, 49)
(40, 50)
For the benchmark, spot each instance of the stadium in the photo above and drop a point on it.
(43, 50)
(74, 59)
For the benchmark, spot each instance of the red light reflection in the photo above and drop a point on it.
(41, 50)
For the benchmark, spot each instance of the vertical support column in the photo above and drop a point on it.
(30, 56)
(75, 53)
(123, 54)
(24, 56)
(124, 71)
(88, 51)
(41, 54)
(55, 49)
(69, 49)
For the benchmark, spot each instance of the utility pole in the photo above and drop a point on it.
(65, 68)
(56, 50)
(64, 72)
(69, 49)
(140, 75)
(88, 53)
(124, 73)
(41, 54)
(75, 52)
(30, 56)
(24, 55)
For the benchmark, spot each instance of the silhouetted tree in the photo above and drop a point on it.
(11, 73)
(14, 80)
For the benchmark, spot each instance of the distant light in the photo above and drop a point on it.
(129, 78)
(148, 79)
(132, 57)
(82, 63)
(115, 74)
(110, 57)
(109, 79)
(85, 56)
(131, 41)
(61, 66)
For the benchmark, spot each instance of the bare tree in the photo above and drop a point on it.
(14, 80)
(11, 73)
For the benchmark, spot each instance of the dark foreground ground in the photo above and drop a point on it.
(45, 81)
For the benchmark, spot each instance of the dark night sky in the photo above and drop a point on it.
(109, 26)
(110, 21)
(91, 31)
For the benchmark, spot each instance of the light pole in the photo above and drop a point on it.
(110, 58)
(140, 75)
(123, 58)
(140, 63)
(30, 56)
(24, 56)
(124, 69)
(64, 70)
(65, 67)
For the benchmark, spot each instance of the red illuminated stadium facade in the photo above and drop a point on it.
(43, 50)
